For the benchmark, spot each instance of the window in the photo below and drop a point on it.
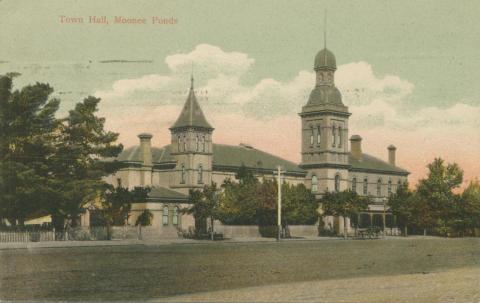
(200, 174)
(119, 182)
(337, 183)
(399, 184)
(165, 215)
(203, 144)
(197, 143)
(389, 187)
(314, 184)
(311, 136)
(179, 143)
(184, 143)
(379, 187)
(365, 186)
(184, 174)
(175, 216)
(319, 134)
(354, 185)
(334, 135)
(340, 139)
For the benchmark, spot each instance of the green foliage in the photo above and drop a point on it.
(204, 206)
(251, 202)
(28, 132)
(145, 218)
(49, 164)
(344, 204)
(117, 203)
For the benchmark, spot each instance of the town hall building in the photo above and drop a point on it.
(330, 159)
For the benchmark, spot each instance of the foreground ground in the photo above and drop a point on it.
(313, 271)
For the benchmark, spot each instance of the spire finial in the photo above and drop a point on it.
(325, 30)
(191, 78)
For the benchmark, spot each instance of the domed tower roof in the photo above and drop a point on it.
(325, 59)
(322, 95)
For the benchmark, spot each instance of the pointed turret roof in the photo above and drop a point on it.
(192, 115)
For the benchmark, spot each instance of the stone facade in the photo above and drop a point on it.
(192, 159)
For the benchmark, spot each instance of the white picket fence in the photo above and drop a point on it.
(26, 236)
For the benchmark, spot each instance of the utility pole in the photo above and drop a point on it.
(279, 204)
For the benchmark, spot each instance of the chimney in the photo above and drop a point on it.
(356, 147)
(146, 148)
(391, 154)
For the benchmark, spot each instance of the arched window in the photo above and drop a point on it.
(179, 143)
(334, 136)
(311, 135)
(184, 174)
(314, 184)
(175, 216)
(165, 215)
(197, 143)
(340, 136)
(365, 186)
(389, 188)
(319, 136)
(337, 183)
(354, 184)
(200, 174)
(203, 144)
(379, 187)
(184, 143)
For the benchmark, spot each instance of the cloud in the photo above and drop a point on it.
(264, 113)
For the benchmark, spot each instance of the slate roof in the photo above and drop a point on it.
(373, 164)
(165, 194)
(230, 157)
(191, 115)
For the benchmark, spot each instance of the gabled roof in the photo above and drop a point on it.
(372, 164)
(191, 115)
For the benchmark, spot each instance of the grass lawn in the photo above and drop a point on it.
(139, 272)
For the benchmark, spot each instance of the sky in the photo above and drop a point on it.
(407, 70)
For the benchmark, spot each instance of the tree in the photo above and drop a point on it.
(344, 204)
(78, 167)
(28, 130)
(435, 193)
(401, 205)
(145, 218)
(117, 203)
(238, 203)
(204, 206)
(299, 205)
(467, 210)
